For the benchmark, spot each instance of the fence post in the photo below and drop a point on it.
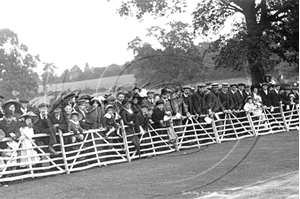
(63, 152)
(125, 141)
(251, 123)
(215, 130)
(283, 117)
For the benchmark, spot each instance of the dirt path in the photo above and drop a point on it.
(186, 174)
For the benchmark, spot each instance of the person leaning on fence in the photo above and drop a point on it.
(158, 115)
(109, 122)
(95, 114)
(44, 125)
(136, 103)
(85, 123)
(142, 120)
(74, 125)
(29, 155)
(128, 118)
(265, 95)
(59, 119)
(276, 99)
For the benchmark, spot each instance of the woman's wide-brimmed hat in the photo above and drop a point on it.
(31, 115)
(10, 102)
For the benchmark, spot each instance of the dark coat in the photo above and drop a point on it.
(157, 116)
(241, 97)
(63, 121)
(95, 116)
(188, 101)
(224, 99)
(13, 127)
(141, 120)
(127, 118)
(42, 125)
(86, 122)
(275, 98)
(233, 101)
(199, 105)
(212, 102)
(266, 98)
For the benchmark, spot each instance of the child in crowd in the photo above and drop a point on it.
(76, 128)
(109, 121)
(26, 140)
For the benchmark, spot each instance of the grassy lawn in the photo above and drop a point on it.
(184, 174)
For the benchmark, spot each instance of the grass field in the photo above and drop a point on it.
(196, 173)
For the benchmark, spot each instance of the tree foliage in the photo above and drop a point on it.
(178, 61)
(17, 79)
(267, 27)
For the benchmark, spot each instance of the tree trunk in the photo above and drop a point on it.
(257, 74)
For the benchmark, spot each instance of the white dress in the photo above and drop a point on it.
(26, 146)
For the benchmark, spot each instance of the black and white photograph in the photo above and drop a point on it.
(149, 99)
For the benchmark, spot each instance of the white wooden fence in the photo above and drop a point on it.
(96, 150)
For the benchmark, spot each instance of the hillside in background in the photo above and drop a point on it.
(99, 83)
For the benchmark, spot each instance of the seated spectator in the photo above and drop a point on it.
(142, 120)
(44, 125)
(109, 122)
(10, 127)
(158, 115)
(85, 123)
(95, 114)
(75, 127)
(27, 133)
(59, 119)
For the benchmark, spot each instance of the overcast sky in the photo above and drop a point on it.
(73, 32)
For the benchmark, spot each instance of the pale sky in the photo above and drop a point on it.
(69, 32)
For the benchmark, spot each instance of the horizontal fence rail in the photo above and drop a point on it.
(28, 157)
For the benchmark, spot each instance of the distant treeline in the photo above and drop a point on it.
(76, 74)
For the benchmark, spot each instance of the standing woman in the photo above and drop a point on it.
(128, 118)
(136, 103)
(95, 114)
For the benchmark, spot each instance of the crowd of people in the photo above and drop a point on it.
(137, 109)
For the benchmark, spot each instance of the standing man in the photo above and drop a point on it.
(224, 96)
(199, 100)
(276, 100)
(233, 98)
(265, 95)
(187, 99)
(241, 96)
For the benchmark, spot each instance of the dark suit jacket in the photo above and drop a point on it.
(141, 120)
(63, 121)
(188, 101)
(198, 100)
(157, 116)
(13, 127)
(224, 99)
(212, 102)
(275, 98)
(42, 124)
(266, 98)
(128, 120)
(233, 101)
(240, 99)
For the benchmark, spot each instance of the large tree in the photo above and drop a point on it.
(266, 28)
(177, 61)
(17, 79)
